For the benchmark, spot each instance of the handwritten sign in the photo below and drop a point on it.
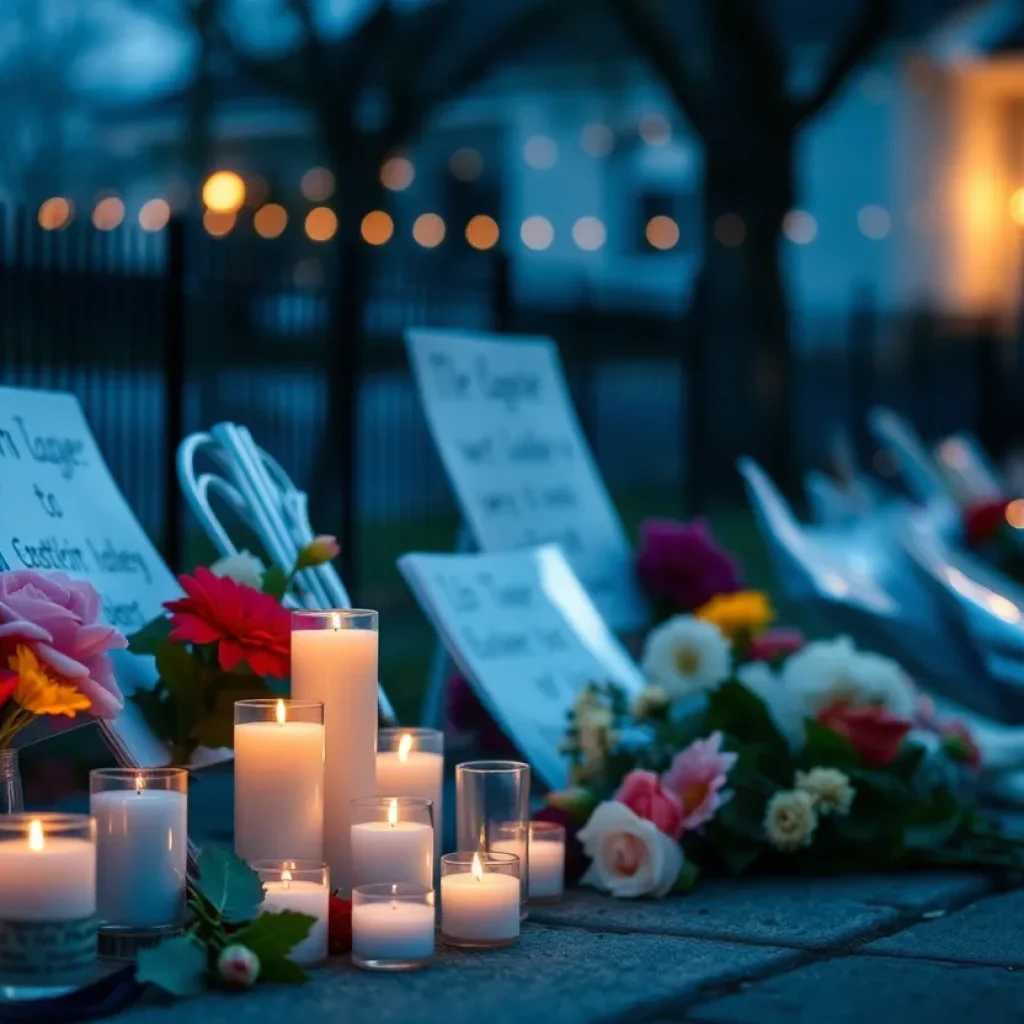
(508, 436)
(62, 510)
(524, 632)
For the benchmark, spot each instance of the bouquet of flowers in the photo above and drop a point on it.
(227, 639)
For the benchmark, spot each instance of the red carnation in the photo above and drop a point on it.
(874, 733)
(983, 519)
(339, 926)
(245, 624)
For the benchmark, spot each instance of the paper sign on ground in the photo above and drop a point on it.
(524, 632)
(522, 471)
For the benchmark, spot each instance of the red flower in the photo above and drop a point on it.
(960, 745)
(339, 926)
(8, 684)
(872, 731)
(776, 644)
(982, 520)
(245, 624)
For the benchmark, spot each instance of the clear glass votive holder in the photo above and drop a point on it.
(410, 762)
(547, 861)
(492, 807)
(392, 926)
(480, 899)
(279, 779)
(48, 927)
(392, 841)
(302, 886)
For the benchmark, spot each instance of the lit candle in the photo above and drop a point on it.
(279, 780)
(142, 846)
(480, 907)
(337, 665)
(390, 851)
(305, 892)
(410, 770)
(396, 930)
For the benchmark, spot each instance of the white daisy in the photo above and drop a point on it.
(686, 655)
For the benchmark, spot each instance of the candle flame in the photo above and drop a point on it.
(478, 871)
(280, 711)
(286, 877)
(35, 834)
(393, 813)
(394, 890)
(140, 785)
(404, 746)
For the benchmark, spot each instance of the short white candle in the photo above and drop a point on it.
(47, 878)
(547, 865)
(305, 898)
(417, 773)
(393, 930)
(142, 849)
(480, 906)
(279, 789)
(384, 852)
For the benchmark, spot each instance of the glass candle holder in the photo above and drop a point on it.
(393, 841)
(302, 886)
(410, 762)
(334, 661)
(141, 847)
(547, 861)
(480, 899)
(279, 779)
(48, 931)
(492, 805)
(392, 927)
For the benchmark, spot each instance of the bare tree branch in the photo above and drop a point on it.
(743, 22)
(871, 27)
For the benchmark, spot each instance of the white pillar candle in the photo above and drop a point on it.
(304, 897)
(47, 878)
(339, 668)
(547, 865)
(142, 849)
(480, 906)
(417, 773)
(385, 852)
(279, 789)
(394, 930)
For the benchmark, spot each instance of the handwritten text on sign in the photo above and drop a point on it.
(526, 635)
(523, 474)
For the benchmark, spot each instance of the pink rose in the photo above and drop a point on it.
(775, 644)
(58, 618)
(644, 795)
(697, 778)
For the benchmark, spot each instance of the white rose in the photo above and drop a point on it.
(687, 655)
(243, 567)
(790, 820)
(629, 856)
(829, 787)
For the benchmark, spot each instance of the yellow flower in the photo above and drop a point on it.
(39, 692)
(744, 614)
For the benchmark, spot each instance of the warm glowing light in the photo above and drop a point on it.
(477, 869)
(662, 232)
(730, 230)
(393, 813)
(537, 233)
(140, 784)
(35, 834)
(280, 711)
(54, 213)
(428, 230)
(541, 152)
(377, 227)
(874, 221)
(466, 164)
(397, 173)
(321, 223)
(655, 130)
(218, 224)
(1017, 207)
(286, 877)
(1015, 514)
(589, 233)
(317, 184)
(108, 213)
(597, 140)
(799, 227)
(482, 232)
(154, 215)
(404, 746)
(270, 220)
(224, 192)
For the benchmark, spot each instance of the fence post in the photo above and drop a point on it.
(174, 386)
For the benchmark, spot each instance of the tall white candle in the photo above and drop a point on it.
(47, 878)
(386, 852)
(417, 773)
(480, 906)
(304, 897)
(279, 789)
(394, 930)
(142, 849)
(338, 666)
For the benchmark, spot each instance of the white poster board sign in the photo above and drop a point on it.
(527, 637)
(60, 509)
(522, 471)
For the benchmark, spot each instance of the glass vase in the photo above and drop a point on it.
(12, 799)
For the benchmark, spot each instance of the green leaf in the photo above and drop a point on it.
(232, 888)
(688, 875)
(739, 856)
(274, 933)
(275, 582)
(882, 783)
(151, 637)
(577, 801)
(178, 671)
(742, 715)
(177, 965)
(828, 749)
(280, 968)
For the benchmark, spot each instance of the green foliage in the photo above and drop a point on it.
(271, 936)
(151, 637)
(231, 887)
(178, 966)
(275, 582)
